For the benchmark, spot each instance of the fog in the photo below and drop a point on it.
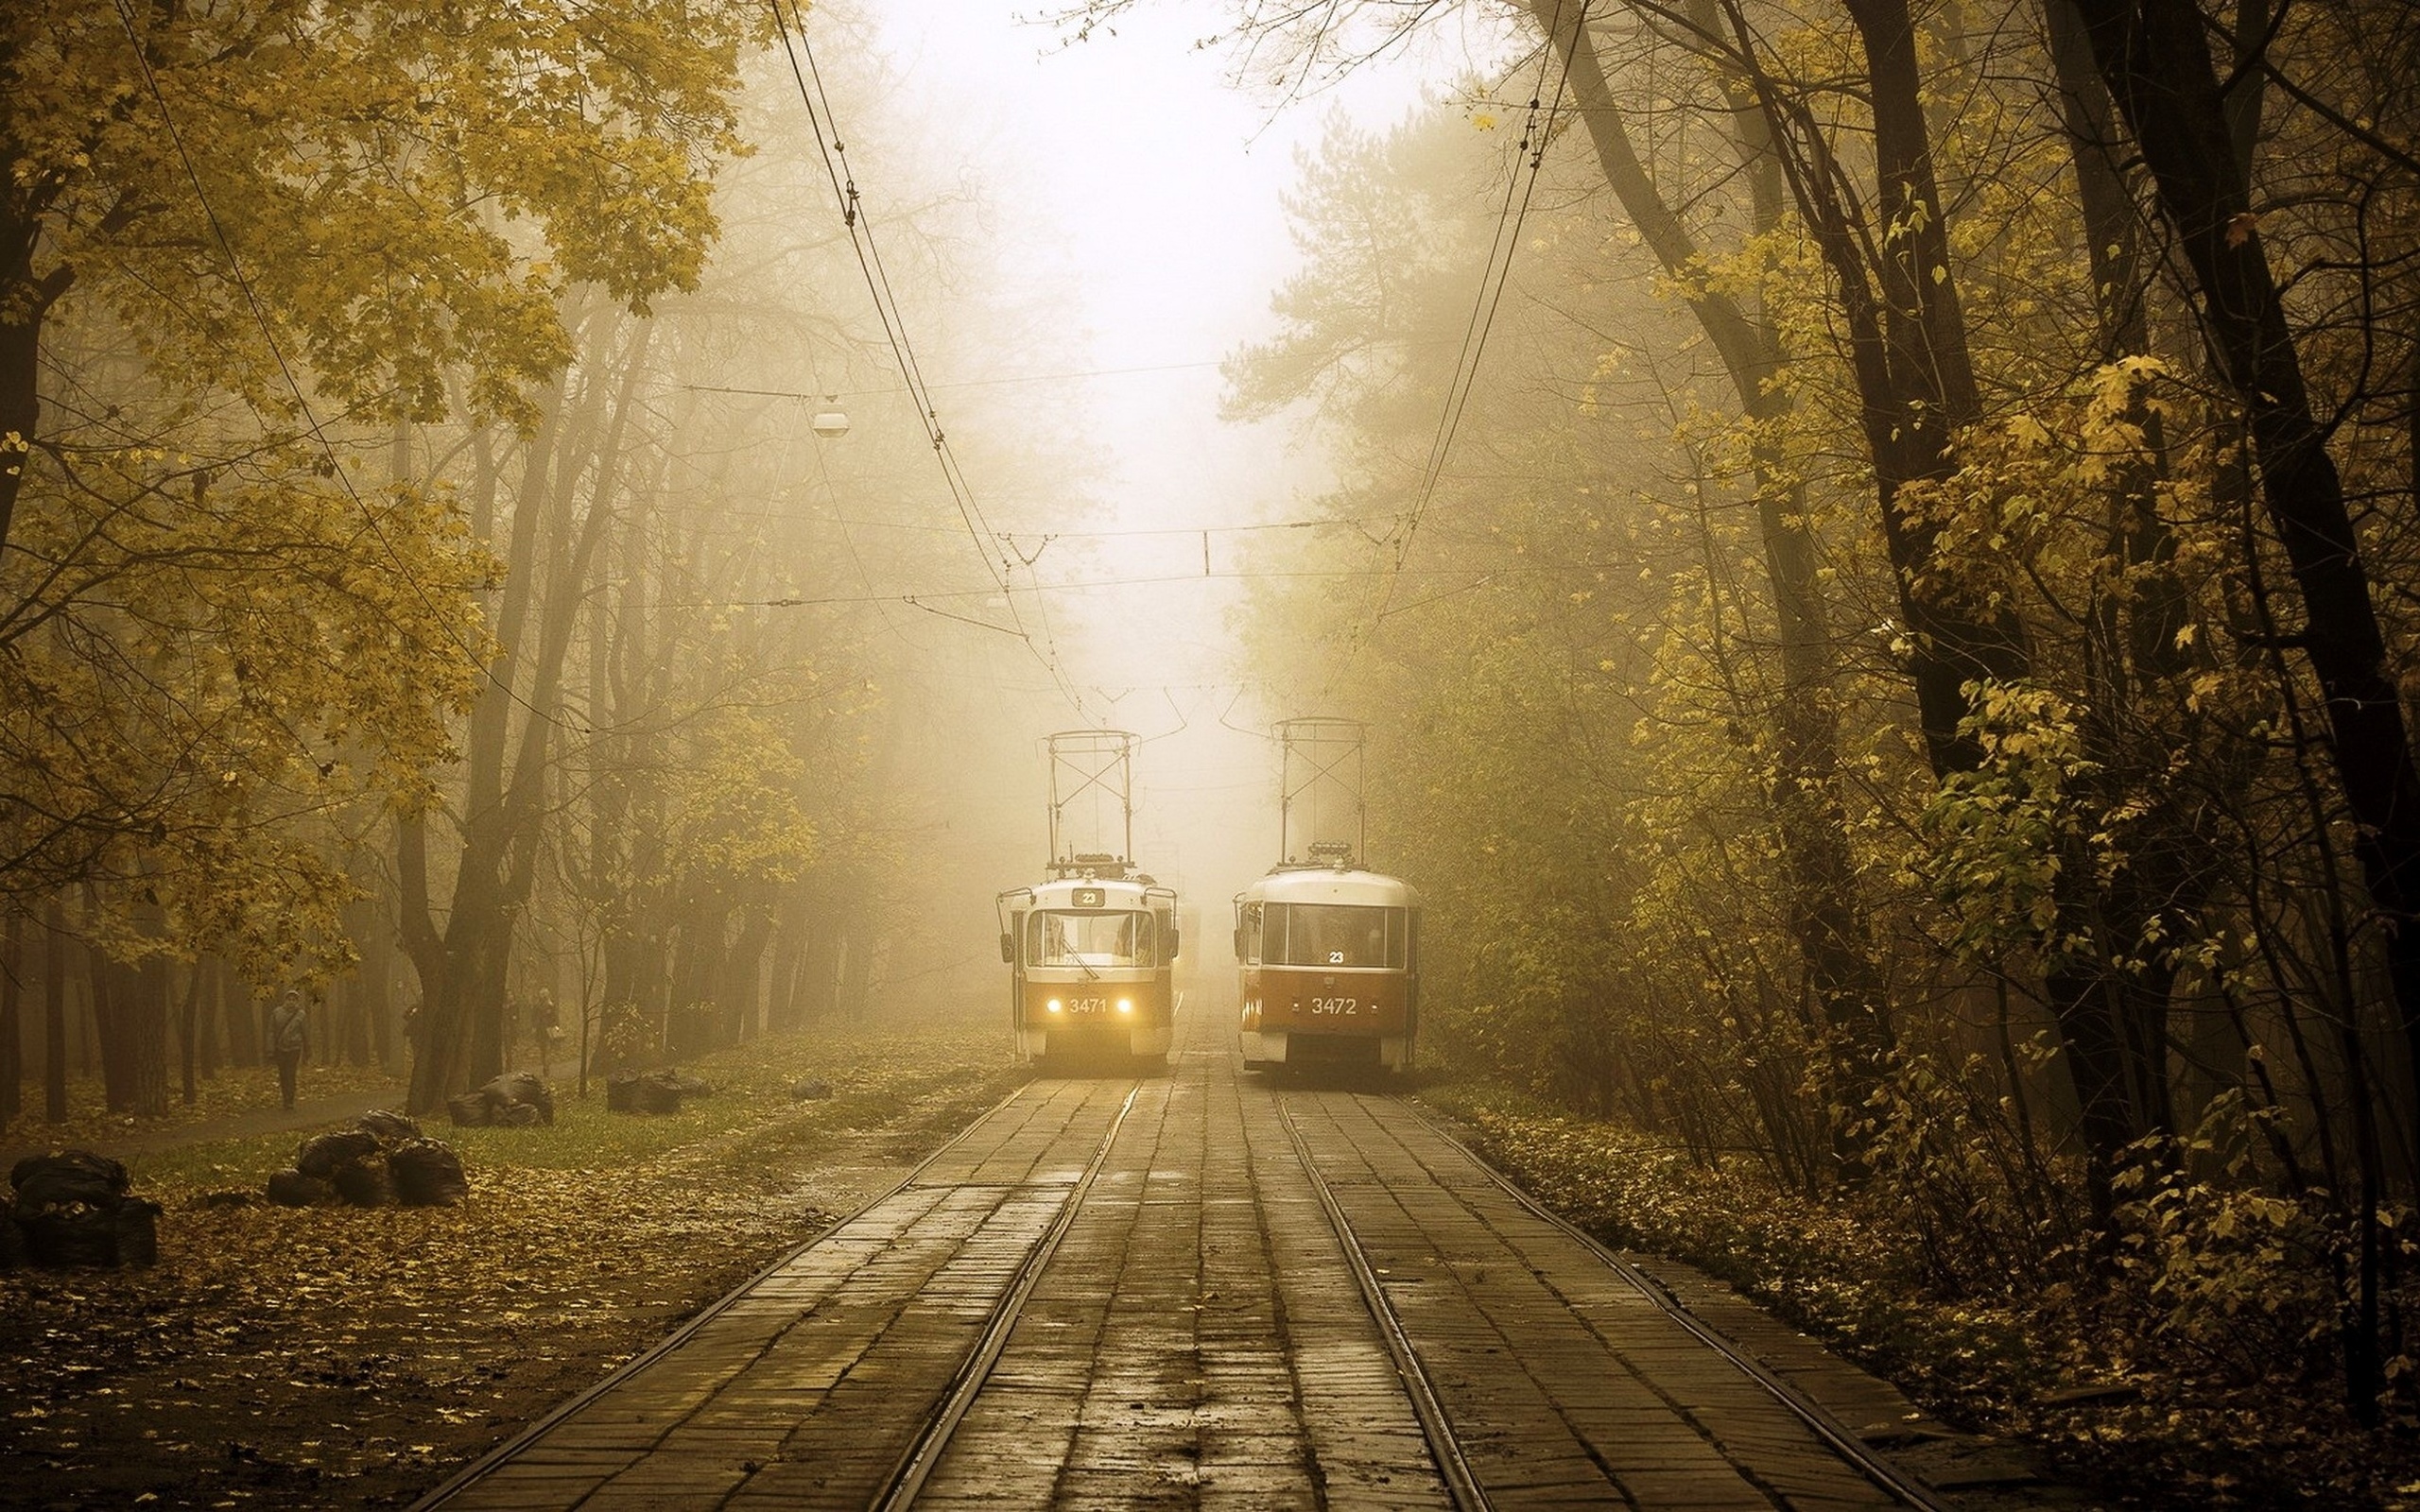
(1104, 226)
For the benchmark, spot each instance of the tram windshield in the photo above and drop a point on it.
(1334, 934)
(1092, 939)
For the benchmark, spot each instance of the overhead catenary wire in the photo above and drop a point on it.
(1480, 576)
(1519, 190)
(999, 380)
(832, 151)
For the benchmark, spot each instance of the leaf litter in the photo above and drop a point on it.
(277, 1354)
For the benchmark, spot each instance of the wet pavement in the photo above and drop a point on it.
(1199, 1290)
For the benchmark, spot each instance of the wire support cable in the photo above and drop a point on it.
(1544, 106)
(996, 556)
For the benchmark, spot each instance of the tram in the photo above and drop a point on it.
(1328, 952)
(1092, 958)
(1092, 950)
(1330, 957)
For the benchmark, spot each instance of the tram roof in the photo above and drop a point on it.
(1332, 884)
(1119, 892)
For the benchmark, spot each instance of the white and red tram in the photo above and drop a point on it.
(1329, 957)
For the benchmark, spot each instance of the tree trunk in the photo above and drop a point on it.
(1907, 353)
(12, 1067)
(108, 994)
(789, 946)
(188, 1031)
(25, 304)
(858, 948)
(463, 971)
(54, 1012)
(819, 978)
(2155, 59)
(144, 1016)
(242, 1014)
(212, 1026)
(741, 991)
(1834, 950)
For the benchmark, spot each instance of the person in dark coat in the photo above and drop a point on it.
(289, 1037)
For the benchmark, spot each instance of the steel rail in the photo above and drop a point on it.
(1836, 1434)
(916, 1466)
(478, 1469)
(1461, 1482)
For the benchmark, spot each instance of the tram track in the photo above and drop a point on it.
(1827, 1429)
(1837, 1436)
(504, 1454)
(916, 1466)
(679, 1448)
(1461, 1484)
(1126, 1290)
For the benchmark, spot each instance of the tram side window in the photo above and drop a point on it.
(1094, 938)
(1337, 935)
(1248, 934)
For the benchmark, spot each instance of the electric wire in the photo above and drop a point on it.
(831, 148)
(923, 600)
(1493, 279)
(314, 428)
(912, 370)
(1067, 376)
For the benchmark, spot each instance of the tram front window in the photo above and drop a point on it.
(1088, 940)
(1336, 934)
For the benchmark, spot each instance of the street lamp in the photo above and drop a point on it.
(830, 422)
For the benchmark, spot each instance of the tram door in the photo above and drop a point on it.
(1013, 951)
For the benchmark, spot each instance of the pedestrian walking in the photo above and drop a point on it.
(290, 1036)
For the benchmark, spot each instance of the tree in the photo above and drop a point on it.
(234, 243)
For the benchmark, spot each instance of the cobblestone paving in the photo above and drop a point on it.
(1566, 1386)
(1197, 1338)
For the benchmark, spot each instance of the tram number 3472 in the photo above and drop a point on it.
(1348, 1007)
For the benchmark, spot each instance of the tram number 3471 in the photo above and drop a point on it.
(1346, 1006)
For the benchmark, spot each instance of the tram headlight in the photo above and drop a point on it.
(1054, 1004)
(1125, 1005)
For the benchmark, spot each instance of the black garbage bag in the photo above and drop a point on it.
(292, 1189)
(73, 1236)
(136, 1232)
(493, 1101)
(426, 1174)
(518, 1088)
(72, 1208)
(387, 1127)
(66, 1179)
(323, 1155)
(364, 1183)
(653, 1091)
